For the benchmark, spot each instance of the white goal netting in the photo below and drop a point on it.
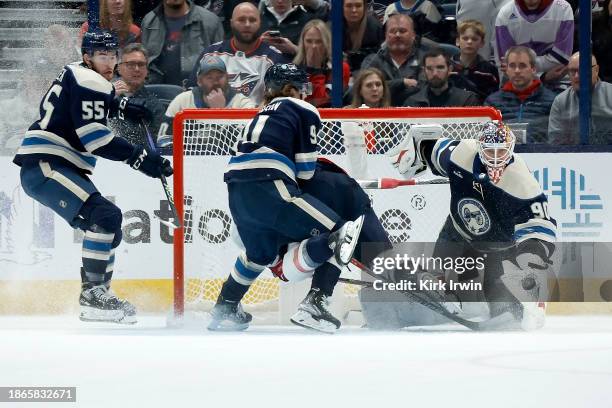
(203, 142)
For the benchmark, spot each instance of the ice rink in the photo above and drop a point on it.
(568, 364)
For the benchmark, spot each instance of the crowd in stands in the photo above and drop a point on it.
(518, 56)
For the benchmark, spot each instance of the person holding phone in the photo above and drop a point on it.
(281, 25)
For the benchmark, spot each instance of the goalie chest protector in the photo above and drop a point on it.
(493, 215)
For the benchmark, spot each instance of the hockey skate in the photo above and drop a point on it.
(229, 316)
(344, 240)
(313, 313)
(99, 304)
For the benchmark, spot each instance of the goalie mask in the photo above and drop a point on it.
(279, 75)
(495, 148)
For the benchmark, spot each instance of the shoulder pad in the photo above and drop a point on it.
(90, 79)
(302, 104)
(464, 153)
(518, 181)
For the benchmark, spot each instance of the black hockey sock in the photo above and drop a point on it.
(232, 290)
(325, 278)
(318, 249)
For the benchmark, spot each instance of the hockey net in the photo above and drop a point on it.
(204, 250)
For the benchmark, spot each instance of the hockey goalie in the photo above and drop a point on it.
(498, 213)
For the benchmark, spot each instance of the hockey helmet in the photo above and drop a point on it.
(495, 145)
(99, 40)
(279, 75)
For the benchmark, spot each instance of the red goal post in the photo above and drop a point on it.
(203, 139)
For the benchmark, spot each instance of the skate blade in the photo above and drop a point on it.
(305, 320)
(90, 314)
(217, 325)
(346, 253)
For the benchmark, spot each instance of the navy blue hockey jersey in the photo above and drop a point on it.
(507, 213)
(72, 123)
(280, 142)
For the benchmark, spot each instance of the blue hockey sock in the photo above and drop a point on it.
(317, 248)
(98, 255)
(242, 276)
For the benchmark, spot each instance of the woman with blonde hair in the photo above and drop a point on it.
(116, 16)
(363, 33)
(370, 89)
(314, 56)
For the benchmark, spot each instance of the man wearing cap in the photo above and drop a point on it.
(213, 91)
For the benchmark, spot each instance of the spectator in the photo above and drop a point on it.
(438, 91)
(547, 27)
(424, 13)
(363, 33)
(288, 19)
(470, 71)
(523, 98)
(602, 40)
(317, 8)
(133, 72)
(400, 60)
(116, 16)
(486, 12)
(245, 55)
(370, 89)
(563, 125)
(213, 91)
(313, 55)
(173, 33)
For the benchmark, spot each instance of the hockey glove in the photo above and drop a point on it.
(149, 163)
(131, 108)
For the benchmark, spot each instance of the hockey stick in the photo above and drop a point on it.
(164, 182)
(389, 183)
(425, 299)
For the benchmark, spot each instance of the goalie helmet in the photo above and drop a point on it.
(99, 40)
(495, 145)
(279, 75)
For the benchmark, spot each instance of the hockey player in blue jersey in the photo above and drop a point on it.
(278, 148)
(58, 153)
(497, 210)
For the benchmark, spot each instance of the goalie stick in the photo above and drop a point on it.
(389, 183)
(425, 300)
(164, 182)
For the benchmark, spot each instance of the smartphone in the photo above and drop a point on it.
(274, 33)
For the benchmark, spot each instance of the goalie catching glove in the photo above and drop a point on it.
(407, 156)
(526, 269)
(123, 107)
(149, 163)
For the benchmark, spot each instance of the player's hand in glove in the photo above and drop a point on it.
(150, 163)
(131, 108)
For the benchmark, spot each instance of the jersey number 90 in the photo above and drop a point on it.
(540, 210)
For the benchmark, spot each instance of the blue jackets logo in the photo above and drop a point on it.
(474, 216)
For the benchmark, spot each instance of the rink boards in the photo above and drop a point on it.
(38, 249)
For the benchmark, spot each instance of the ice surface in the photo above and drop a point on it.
(568, 364)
